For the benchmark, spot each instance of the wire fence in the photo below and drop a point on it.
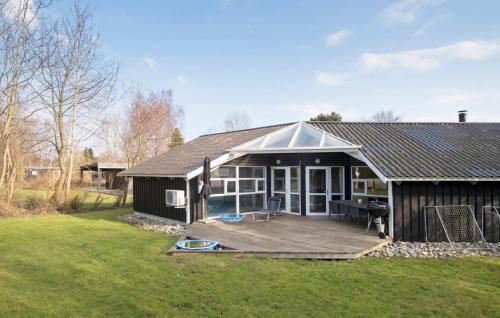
(491, 223)
(452, 224)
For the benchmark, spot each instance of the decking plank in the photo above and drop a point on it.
(288, 236)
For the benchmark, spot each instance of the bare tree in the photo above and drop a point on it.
(18, 47)
(111, 139)
(148, 127)
(385, 116)
(236, 120)
(75, 87)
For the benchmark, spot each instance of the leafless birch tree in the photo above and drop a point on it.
(76, 84)
(18, 46)
(149, 124)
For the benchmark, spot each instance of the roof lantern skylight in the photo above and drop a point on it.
(299, 137)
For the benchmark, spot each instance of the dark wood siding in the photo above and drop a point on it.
(149, 196)
(411, 197)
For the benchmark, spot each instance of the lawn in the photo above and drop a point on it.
(91, 265)
(108, 201)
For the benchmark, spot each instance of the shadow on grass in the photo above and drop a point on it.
(103, 214)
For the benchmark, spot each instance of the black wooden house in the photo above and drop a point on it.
(308, 164)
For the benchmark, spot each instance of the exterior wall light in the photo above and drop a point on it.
(278, 162)
(317, 161)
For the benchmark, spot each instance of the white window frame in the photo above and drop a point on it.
(237, 183)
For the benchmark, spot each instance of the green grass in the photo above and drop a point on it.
(91, 265)
(90, 197)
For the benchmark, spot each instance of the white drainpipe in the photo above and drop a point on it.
(188, 203)
(390, 200)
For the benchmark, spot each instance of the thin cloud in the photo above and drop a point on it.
(456, 96)
(330, 79)
(150, 63)
(405, 11)
(337, 37)
(182, 79)
(430, 24)
(429, 59)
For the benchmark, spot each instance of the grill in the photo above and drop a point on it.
(377, 211)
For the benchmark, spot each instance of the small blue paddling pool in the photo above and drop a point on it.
(198, 245)
(232, 217)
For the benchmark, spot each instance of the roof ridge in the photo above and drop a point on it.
(247, 129)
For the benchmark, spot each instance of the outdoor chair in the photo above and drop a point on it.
(337, 210)
(273, 206)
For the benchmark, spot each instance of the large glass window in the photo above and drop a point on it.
(251, 202)
(224, 172)
(237, 190)
(366, 186)
(217, 186)
(247, 186)
(221, 204)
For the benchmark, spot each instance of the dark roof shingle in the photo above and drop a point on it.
(187, 157)
(397, 150)
(426, 150)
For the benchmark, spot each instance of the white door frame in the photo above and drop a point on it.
(327, 189)
(328, 194)
(288, 191)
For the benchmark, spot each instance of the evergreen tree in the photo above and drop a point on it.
(88, 155)
(333, 116)
(177, 138)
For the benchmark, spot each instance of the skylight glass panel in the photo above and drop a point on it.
(254, 144)
(280, 140)
(308, 137)
(333, 142)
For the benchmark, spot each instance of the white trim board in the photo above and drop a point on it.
(437, 179)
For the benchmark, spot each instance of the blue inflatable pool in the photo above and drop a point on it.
(232, 217)
(198, 245)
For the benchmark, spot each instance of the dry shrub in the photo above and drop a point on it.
(77, 201)
(9, 210)
(97, 203)
(33, 202)
(118, 201)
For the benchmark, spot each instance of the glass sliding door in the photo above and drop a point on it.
(285, 184)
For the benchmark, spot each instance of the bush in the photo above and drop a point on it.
(97, 202)
(118, 202)
(33, 202)
(77, 201)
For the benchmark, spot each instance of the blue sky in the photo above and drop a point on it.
(283, 61)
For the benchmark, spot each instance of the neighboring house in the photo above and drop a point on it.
(103, 175)
(409, 165)
(41, 173)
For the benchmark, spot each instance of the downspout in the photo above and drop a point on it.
(390, 200)
(188, 202)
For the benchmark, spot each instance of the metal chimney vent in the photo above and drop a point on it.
(462, 116)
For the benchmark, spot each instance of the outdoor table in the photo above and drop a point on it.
(354, 209)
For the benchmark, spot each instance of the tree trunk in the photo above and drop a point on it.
(125, 191)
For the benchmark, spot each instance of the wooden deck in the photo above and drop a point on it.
(287, 236)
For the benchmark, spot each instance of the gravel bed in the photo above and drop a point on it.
(436, 250)
(163, 226)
